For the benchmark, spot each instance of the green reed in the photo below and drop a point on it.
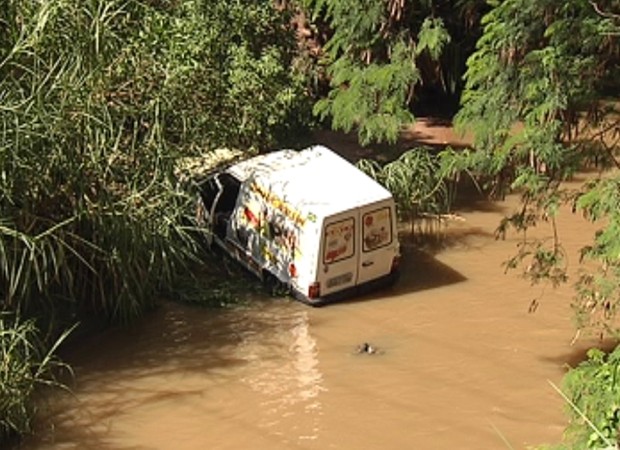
(90, 216)
(26, 364)
(420, 187)
(98, 99)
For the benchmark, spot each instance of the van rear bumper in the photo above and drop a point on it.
(351, 292)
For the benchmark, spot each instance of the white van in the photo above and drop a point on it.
(308, 220)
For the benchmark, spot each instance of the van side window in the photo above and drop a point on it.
(377, 229)
(339, 240)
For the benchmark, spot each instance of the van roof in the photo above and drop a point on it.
(315, 180)
(198, 167)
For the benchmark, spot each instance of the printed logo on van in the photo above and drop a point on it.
(377, 229)
(339, 240)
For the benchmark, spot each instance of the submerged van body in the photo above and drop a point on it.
(308, 220)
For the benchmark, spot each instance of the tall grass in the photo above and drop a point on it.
(420, 182)
(89, 218)
(26, 364)
(98, 99)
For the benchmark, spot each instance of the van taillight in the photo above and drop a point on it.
(314, 290)
(292, 270)
(395, 263)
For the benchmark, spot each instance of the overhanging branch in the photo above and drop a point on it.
(602, 13)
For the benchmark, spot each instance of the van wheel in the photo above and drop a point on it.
(217, 250)
(273, 285)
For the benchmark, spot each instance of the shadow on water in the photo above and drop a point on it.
(128, 368)
(471, 197)
(422, 271)
(467, 238)
(579, 353)
(421, 267)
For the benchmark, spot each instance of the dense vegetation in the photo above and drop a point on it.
(99, 98)
(593, 402)
(386, 57)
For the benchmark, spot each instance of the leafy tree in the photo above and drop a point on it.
(593, 397)
(537, 101)
(379, 53)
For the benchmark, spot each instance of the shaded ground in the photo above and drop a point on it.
(432, 132)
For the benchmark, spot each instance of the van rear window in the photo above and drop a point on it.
(339, 240)
(377, 228)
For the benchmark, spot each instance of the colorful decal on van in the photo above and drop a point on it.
(250, 216)
(268, 254)
(282, 234)
(276, 202)
(339, 240)
(377, 229)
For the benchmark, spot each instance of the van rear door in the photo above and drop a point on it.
(338, 259)
(208, 193)
(378, 241)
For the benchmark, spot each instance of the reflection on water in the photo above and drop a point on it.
(185, 368)
(290, 383)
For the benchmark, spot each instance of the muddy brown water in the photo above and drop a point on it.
(462, 363)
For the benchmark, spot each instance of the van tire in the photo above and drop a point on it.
(217, 249)
(274, 286)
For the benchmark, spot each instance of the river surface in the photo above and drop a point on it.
(462, 363)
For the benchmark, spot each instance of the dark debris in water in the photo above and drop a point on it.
(366, 348)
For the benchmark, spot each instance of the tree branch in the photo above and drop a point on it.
(603, 13)
(613, 126)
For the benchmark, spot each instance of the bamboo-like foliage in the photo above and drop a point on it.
(98, 99)
(420, 183)
(89, 220)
